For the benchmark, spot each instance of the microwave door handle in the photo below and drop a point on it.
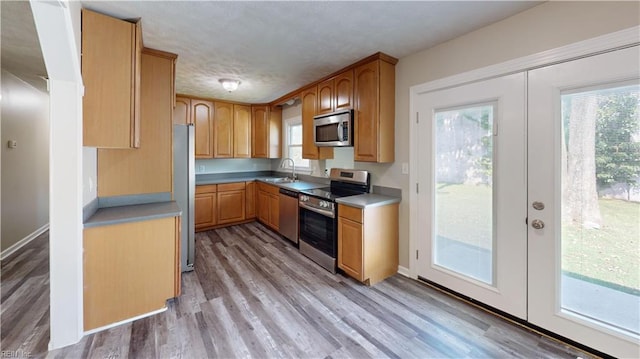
(339, 127)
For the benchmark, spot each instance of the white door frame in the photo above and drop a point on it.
(600, 44)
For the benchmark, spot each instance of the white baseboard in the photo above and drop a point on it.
(404, 271)
(109, 326)
(23, 242)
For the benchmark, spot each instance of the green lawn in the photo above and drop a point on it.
(609, 255)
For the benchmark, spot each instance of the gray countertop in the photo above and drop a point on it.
(133, 213)
(368, 200)
(294, 186)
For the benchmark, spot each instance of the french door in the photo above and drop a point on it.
(473, 191)
(584, 200)
(529, 196)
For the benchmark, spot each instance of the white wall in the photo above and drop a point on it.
(544, 27)
(25, 169)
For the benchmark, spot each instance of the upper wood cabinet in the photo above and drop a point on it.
(182, 111)
(266, 131)
(309, 149)
(335, 93)
(241, 131)
(202, 112)
(111, 55)
(374, 111)
(146, 169)
(223, 130)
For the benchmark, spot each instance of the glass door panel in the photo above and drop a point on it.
(464, 191)
(600, 211)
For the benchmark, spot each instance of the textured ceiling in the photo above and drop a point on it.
(21, 54)
(277, 47)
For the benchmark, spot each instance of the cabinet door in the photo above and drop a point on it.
(274, 211)
(202, 114)
(260, 132)
(309, 149)
(223, 130)
(263, 207)
(241, 131)
(325, 97)
(343, 91)
(366, 112)
(110, 59)
(129, 270)
(231, 206)
(182, 111)
(350, 247)
(205, 210)
(250, 200)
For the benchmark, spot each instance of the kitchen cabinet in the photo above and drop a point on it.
(231, 203)
(147, 169)
(269, 205)
(335, 93)
(374, 111)
(250, 200)
(368, 242)
(111, 61)
(309, 149)
(222, 130)
(266, 131)
(241, 131)
(205, 207)
(129, 269)
(202, 113)
(182, 111)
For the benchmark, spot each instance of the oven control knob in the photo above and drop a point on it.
(303, 198)
(323, 204)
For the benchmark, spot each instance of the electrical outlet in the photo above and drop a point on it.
(201, 168)
(405, 168)
(12, 144)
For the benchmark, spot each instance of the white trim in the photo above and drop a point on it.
(404, 271)
(604, 43)
(23, 242)
(109, 326)
(596, 45)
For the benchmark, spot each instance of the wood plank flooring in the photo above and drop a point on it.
(252, 294)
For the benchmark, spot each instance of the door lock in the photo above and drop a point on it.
(537, 205)
(537, 224)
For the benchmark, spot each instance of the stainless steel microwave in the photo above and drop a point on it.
(334, 129)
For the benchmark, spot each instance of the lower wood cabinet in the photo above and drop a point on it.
(250, 200)
(205, 207)
(368, 242)
(130, 269)
(231, 202)
(269, 205)
(219, 205)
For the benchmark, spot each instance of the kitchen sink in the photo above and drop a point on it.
(280, 180)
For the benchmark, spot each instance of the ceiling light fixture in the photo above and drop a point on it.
(229, 84)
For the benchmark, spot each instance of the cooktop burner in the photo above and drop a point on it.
(329, 193)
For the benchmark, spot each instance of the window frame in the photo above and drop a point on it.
(288, 124)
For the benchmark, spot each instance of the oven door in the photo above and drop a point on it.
(319, 231)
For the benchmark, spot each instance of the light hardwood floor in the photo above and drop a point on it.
(253, 295)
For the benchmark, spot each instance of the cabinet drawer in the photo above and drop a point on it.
(231, 186)
(207, 188)
(352, 213)
(268, 188)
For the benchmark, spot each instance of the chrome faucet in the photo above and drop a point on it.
(293, 167)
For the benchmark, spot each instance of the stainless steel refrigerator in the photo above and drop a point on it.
(184, 188)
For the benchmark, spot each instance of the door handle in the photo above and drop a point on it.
(537, 224)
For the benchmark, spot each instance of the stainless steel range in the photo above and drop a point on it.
(319, 218)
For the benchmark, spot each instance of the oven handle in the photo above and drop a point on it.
(317, 210)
